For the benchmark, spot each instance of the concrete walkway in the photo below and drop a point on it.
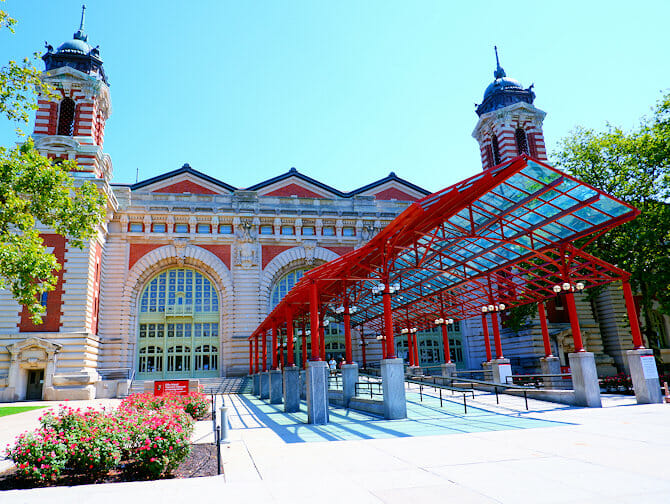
(550, 454)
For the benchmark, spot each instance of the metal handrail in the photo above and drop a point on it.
(537, 382)
(368, 384)
(496, 386)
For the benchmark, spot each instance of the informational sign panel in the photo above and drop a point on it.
(649, 367)
(176, 387)
(566, 369)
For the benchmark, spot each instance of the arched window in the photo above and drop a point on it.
(285, 284)
(66, 117)
(178, 311)
(521, 141)
(496, 150)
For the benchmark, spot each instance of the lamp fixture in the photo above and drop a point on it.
(492, 308)
(568, 287)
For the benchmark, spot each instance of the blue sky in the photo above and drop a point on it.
(346, 91)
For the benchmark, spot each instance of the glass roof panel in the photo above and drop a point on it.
(610, 206)
(564, 202)
(558, 230)
(591, 215)
(509, 192)
(496, 201)
(540, 173)
(547, 210)
(581, 192)
(574, 223)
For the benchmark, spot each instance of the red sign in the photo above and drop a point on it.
(178, 387)
(565, 369)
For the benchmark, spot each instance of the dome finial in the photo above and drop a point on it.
(79, 34)
(500, 71)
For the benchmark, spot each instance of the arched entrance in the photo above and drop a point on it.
(178, 326)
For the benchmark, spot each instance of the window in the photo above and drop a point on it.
(265, 229)
(328, 231)
(285, 284)
(287, 230)
(159, 228)
(348, 231)
(151, 359)
(66, 117)
(181, 228)
(202, 229)
(521, 141)
(225, 229)
(136, 227)
(496, 150)
(308, 231)
(43, 298)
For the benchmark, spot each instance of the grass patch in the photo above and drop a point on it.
(13, 410)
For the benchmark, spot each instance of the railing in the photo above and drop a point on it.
(122, 373)
(536, 380)
(337, 379)
(368, 386)
(426, 381)
(495, 386)
(184, 310)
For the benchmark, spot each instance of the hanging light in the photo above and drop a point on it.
(404, 330)
(501, 306)
(450, 321)
(556, 288)
(491, 307)
(485, 309)
(566, 286)
(439, 321)
(580, 286)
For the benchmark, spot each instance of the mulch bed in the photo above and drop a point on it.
(201, 462)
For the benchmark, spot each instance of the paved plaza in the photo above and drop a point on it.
(493, 454)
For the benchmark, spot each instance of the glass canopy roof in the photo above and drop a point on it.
(508, 234)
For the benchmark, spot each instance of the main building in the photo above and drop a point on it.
(185, 266)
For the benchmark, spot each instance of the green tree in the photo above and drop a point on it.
(635, 167)
(33, 189)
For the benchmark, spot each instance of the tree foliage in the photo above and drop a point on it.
(635, 167)
(33, 190)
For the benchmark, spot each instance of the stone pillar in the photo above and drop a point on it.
(501, 370)
(448, 369)
(317, 392)
(265, 385)
(291, 389)
(585, 379)
(644, 374)
(413, 370)
(276, 386)
(393, 385)
(349, 379)
(303, 384)
(256, 384)
(551, 365)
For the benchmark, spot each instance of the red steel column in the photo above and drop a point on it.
(256, 352)
(314, 321)
(545, 330)
(348, 357)
(496, 335)
(632, 315)
(274, 346)
(388, 323)
(417, 362)
(304, 346)
(445, 344)
(251, 357)
(410, 351)
(574, 322)
(487, 341)
(289, 340)
(265, 351)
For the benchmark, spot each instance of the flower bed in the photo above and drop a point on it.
(146, 437)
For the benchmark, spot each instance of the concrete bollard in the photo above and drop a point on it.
(224, 424)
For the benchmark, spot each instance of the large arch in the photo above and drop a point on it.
(161, 258)
(286, 261)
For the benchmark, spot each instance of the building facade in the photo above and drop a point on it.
(185, 266)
